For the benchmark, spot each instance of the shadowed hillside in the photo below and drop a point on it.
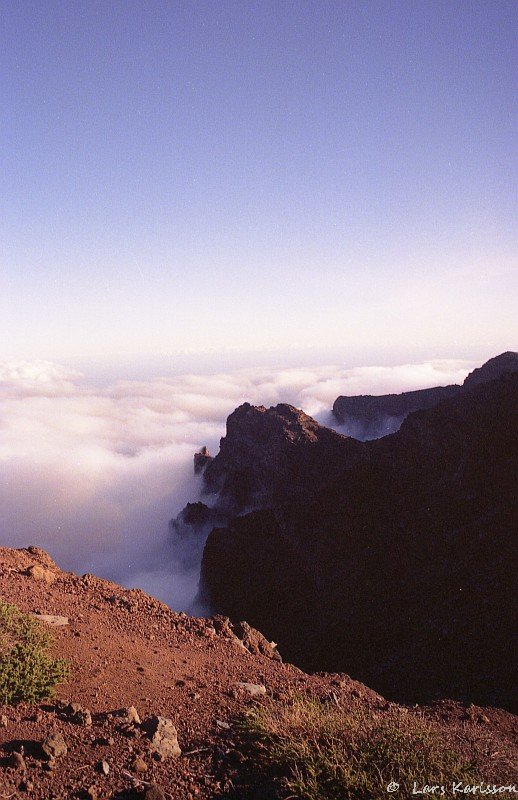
(372, 416)
(393, 560)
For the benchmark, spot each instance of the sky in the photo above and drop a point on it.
(186, 178)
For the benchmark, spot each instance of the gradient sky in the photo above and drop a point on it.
(198, 176)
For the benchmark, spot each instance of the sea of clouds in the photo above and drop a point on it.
(94, 473)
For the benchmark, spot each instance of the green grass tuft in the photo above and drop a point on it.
(324, 752)
(27, 672)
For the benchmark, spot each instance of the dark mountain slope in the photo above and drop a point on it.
(492, 369)
(372, 416)
(393, 559)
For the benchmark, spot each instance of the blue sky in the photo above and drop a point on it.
(258, 176)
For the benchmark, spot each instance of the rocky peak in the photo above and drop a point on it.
(282, 420)
(263, 449)
(494, 368)
(201, 460)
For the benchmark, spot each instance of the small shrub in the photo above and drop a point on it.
(27, 672)
(324, 752)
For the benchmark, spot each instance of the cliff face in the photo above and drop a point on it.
(392, 559)
(271, 455)
(373, 416)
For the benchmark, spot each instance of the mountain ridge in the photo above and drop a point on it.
(371, 529)
(372, 416)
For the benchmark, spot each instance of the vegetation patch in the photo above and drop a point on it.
(27, 672)
(319, 751)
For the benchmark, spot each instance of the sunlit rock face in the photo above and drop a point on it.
(201, 460)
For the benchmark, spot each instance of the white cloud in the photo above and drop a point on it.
(94, 474)
(44, 378)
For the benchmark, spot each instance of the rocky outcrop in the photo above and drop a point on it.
(373, 416)
(270, 455)
(392, 560)
(492, 369)
(201, 460)
(269, 458)
(195, 516)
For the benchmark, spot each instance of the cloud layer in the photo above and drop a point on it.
(93, 474)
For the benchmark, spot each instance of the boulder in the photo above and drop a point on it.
(54, 746)
(39, 573)
(255, 642)
(253, 689)
(163, 736)
(55, 621)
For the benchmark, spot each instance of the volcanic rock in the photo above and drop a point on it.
(129, 715)
(373, 416)
(255, 642)
(268, 454)
(54, 746)
(139, 765)
(39, 573)
(392, 560)
(492, 369)
(17, 761)
(253, 689)
(77, 714)
(153, 793)
(163, 736)
(201, 460)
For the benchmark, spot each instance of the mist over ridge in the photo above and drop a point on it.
(93, 473)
